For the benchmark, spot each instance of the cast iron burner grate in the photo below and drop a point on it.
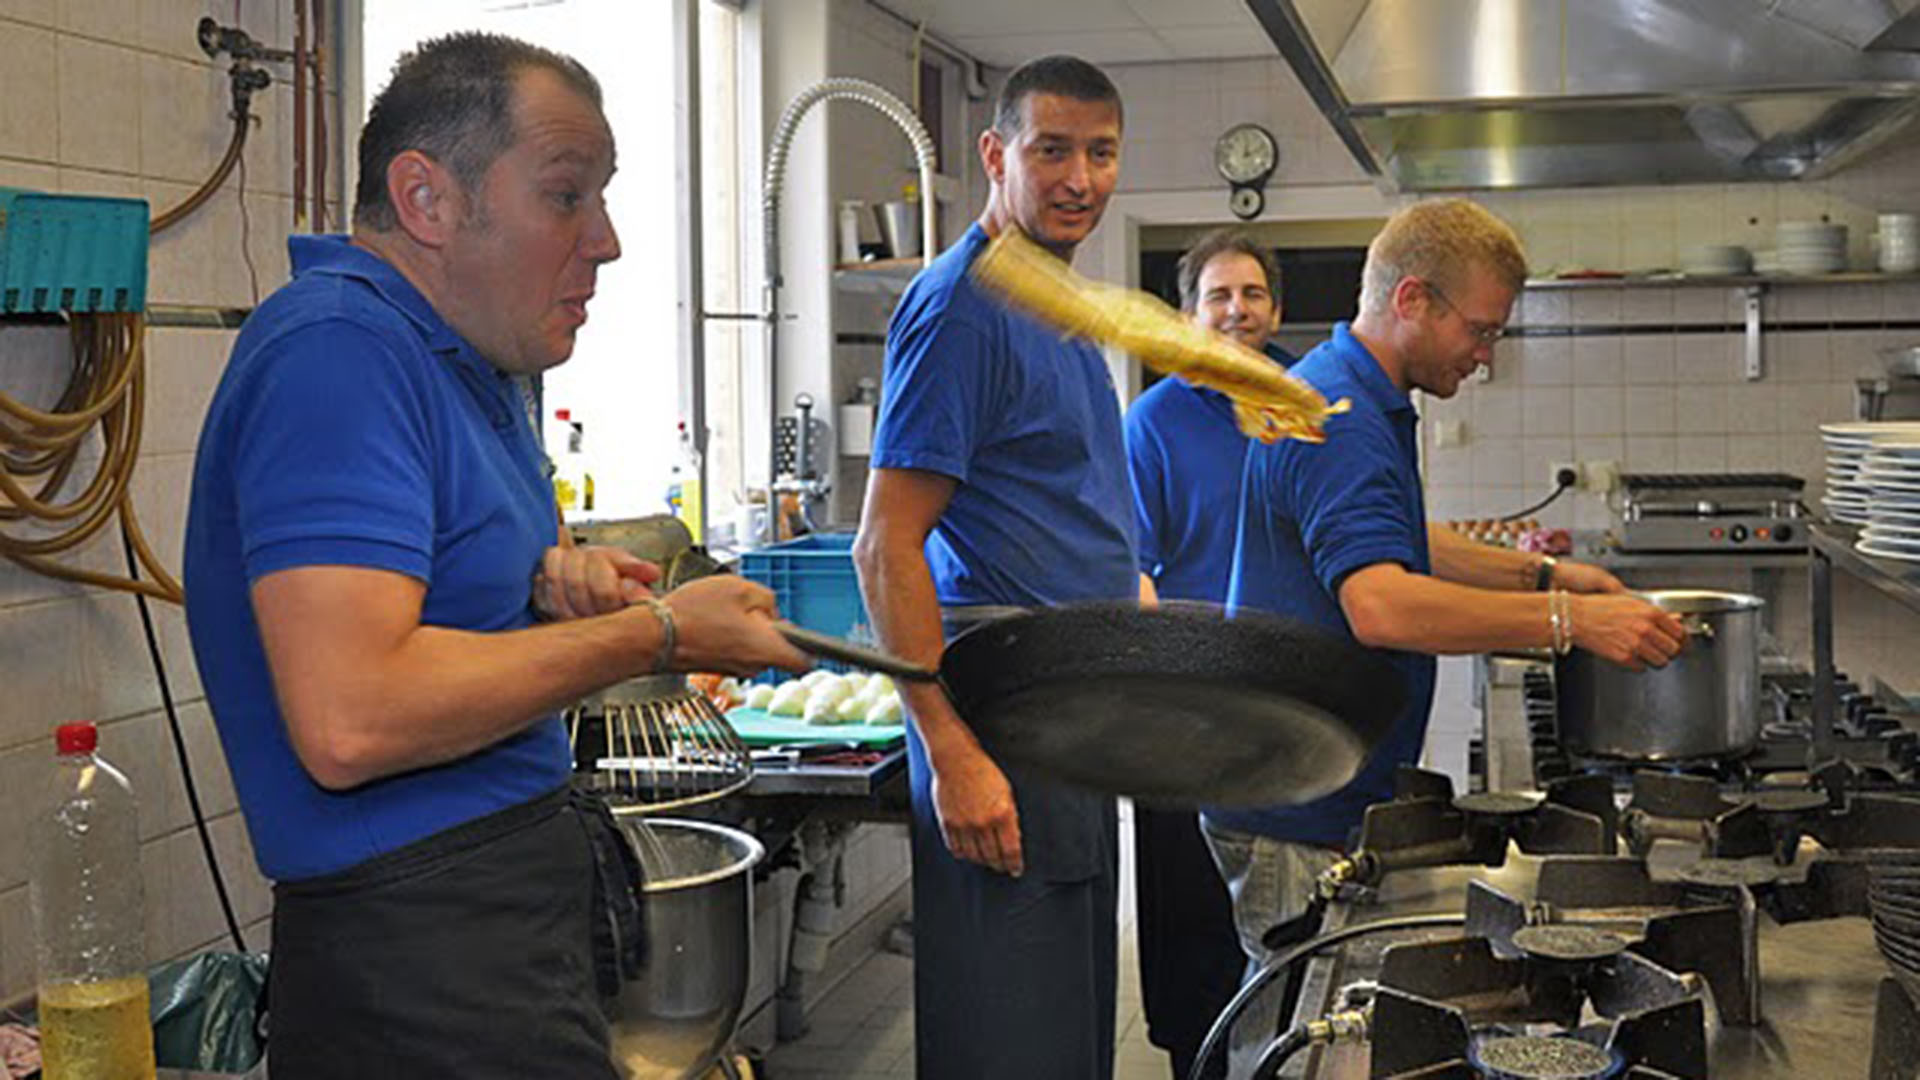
(1457, 1008)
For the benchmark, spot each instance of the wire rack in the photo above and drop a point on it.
(653, 744)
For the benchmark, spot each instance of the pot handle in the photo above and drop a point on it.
(1696, 626)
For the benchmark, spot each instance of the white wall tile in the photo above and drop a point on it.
(42, 646)
(1649, 410)
(1597, 361)
(29, 107)
(1598, 410)
(1702, 359)
(24, 782)
(1498, 410)
(1700, 453)
(1649, 360)
(1753, 408)
(16, 944)
(1546, 411)
(1547, 362)
(1650, 453)
(97, 83)
(1497, 463)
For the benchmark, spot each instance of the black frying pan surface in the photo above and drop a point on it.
(1172, 707)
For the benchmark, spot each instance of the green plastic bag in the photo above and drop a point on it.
(207, 1012)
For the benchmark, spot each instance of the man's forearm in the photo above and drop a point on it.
(905, 608)
(1483, 566)
(441, 694)
(1392, 608)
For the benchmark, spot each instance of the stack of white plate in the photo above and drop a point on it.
(1717, 260)
(1891, 472)
(1898, 242)
(1811, 247)
(1849, 496)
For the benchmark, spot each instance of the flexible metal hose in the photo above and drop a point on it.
(1282, 962)
(774, 181)
(107, 387)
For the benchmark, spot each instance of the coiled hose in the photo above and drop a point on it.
(1282, 963)
(39, 449)
(775, 180)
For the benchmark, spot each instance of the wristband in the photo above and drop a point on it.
(1543, 573)
(669, 633)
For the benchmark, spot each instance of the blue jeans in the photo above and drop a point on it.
(1271, 881)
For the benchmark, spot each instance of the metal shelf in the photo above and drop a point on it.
(1896, 579)
(1684, 281)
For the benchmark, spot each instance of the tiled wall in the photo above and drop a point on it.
(113, 97)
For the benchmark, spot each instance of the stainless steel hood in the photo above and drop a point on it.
(1456, 94)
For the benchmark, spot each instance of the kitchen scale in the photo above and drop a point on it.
(1711, 513)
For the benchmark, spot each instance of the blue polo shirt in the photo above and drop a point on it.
(354, 427)
(1184, 451)
(1309, 516)
(1028, 423)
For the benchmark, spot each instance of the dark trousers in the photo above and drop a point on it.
(1190, 960)
(468, 954)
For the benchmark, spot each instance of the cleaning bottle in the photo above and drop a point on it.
(572, 475)
(683, 487)
(88, 926)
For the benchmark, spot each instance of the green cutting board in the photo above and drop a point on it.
(757, 727)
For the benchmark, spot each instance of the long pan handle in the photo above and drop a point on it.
(833, 648)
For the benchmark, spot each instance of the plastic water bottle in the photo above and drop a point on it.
(87, 922)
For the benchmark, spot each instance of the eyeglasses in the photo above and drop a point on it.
(1486, 333)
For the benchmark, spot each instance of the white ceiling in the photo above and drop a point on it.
(1006, 33)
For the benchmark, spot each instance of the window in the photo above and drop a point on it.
(624, 382)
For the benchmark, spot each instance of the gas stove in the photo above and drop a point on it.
(1874, 747)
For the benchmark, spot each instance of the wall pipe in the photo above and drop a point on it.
(825, 90)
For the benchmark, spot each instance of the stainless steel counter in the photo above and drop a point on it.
(1818, 982)
(854, 781)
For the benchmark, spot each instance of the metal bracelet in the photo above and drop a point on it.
(1560, 620)
(669, 632)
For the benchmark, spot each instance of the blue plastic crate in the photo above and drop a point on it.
(73, 253)
(813, 580)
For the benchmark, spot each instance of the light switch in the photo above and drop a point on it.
(1448, 434)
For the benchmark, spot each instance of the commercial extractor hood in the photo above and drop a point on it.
(1459, 94)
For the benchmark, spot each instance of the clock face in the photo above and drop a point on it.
(1246, 203)
(1245, 154)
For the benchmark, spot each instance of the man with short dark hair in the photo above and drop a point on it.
(1184, 450)
(371, 542)
(999, 482)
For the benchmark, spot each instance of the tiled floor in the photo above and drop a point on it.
(863, 1030)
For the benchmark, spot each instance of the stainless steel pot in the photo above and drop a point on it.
(1705, 704)
(673, 1022)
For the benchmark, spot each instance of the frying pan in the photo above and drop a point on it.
(1171, 707)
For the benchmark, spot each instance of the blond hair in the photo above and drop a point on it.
(1439, 240)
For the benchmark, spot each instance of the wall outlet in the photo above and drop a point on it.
(1564, 474)
(1600, 477)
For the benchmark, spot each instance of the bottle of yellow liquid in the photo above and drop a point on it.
(88, 929)
(683, 490)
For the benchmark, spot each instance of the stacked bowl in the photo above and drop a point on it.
(1893, 899)
(1898, 242)
(1811, 247)
(1891, 472)
(1717, 260)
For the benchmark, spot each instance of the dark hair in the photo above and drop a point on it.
(1222, 242)
(1063, 76)
(451, 98)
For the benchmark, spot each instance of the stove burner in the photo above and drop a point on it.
(1495, 803)
(1542, 1057)
(1788, 801)
(1568, 943)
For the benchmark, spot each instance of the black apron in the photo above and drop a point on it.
(482, 952)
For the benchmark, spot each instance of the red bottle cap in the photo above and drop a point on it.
(75, 739)
(563, 414)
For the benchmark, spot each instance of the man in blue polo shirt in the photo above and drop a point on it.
(1000, 481)
(371, 541)
(1184, 449)
(1336, 534)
